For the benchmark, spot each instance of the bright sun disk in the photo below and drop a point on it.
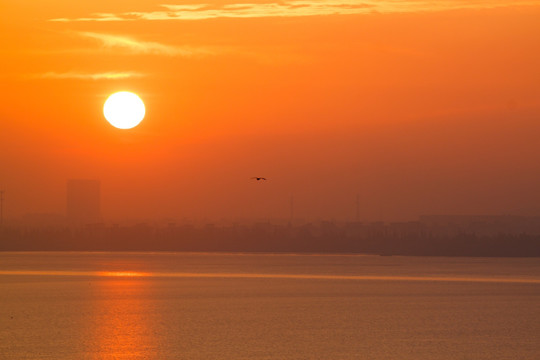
(124, 110)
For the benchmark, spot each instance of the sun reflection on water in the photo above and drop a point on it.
(122, 274)
(122, 327)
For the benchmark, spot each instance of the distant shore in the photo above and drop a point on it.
(328, 238)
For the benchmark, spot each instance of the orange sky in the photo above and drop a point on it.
(420, 107)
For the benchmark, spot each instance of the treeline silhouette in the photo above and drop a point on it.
(412, 238)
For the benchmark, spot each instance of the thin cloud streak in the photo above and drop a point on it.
(298, 8)
(91, 76)
(134, 46)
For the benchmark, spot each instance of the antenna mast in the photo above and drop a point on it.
(1, 207)
(357, 207)
(292, 208)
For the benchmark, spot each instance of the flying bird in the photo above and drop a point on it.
(258, 178)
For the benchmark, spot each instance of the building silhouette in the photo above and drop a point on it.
(83, 201)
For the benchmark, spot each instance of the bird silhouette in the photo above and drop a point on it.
(258, 178)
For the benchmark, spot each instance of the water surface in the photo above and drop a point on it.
(264, 306)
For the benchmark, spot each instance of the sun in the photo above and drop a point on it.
(124, 110)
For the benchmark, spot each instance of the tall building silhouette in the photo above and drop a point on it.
(83, 201)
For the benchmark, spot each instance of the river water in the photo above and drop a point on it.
(77, 305)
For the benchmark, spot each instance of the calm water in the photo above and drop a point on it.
(239, 306)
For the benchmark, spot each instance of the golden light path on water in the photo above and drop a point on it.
(134, 274)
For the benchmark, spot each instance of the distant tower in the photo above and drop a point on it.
(83, 201)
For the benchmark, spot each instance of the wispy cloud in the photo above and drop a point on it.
(297, 8)
(135, 46)
(112, 75)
